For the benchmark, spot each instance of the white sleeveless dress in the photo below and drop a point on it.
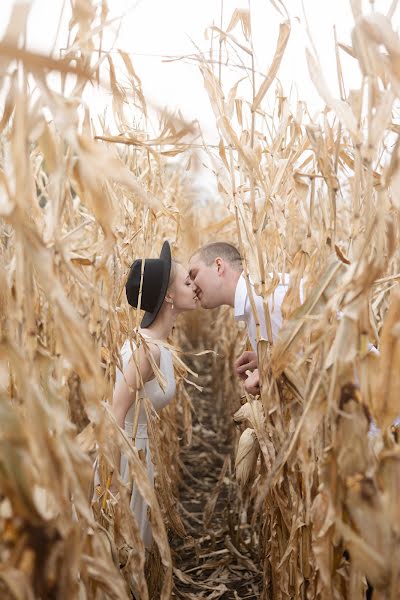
(159, 399)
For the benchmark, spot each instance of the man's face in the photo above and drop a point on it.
(207, 282)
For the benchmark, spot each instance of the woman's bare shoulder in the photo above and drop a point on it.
(154, 349)
(142, 345)
(142, 361)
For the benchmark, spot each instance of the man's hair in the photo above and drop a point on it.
(210, 252)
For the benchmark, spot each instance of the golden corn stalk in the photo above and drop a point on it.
(317, 199)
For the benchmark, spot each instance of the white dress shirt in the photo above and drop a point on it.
(243, 311)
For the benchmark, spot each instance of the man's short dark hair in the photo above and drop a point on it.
(209, 252)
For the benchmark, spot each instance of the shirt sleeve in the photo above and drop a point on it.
(251, 323)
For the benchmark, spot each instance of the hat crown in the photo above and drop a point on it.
(156, 274)
(153, 276)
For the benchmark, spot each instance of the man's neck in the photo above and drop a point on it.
(232, 288)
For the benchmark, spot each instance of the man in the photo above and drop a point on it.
(216, 270)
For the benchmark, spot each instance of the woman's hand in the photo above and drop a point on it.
(246, 362)
(113, 490)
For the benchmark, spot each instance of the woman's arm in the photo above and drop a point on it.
(125, 390)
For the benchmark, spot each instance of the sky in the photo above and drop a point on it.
(152, 31)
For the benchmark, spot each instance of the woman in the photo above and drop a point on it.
(166, 292)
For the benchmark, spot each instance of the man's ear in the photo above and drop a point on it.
(220, 264)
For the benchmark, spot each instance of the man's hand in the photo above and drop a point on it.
(252, 383)
(246, 361)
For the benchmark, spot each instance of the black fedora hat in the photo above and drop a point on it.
(156, 276)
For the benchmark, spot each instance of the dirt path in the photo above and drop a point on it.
(218, 559)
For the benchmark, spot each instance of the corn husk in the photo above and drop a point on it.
(246, 458)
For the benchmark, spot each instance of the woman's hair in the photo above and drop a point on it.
(172, 274)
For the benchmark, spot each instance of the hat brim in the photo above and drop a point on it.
(165, 256)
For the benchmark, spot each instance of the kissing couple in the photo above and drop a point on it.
(164, 289)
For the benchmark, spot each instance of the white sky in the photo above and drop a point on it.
(151, 28)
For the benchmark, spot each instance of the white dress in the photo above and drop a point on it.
(153, 391)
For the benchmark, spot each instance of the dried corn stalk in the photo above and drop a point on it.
(75, 213)
(318, 200)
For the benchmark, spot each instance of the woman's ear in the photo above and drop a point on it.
(168, 298)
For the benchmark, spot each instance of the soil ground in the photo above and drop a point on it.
(219, 557)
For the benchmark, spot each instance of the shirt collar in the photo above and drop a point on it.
(240, 298)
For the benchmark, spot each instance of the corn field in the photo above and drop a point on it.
(303, 480)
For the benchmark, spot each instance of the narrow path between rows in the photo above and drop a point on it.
(219, 558)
